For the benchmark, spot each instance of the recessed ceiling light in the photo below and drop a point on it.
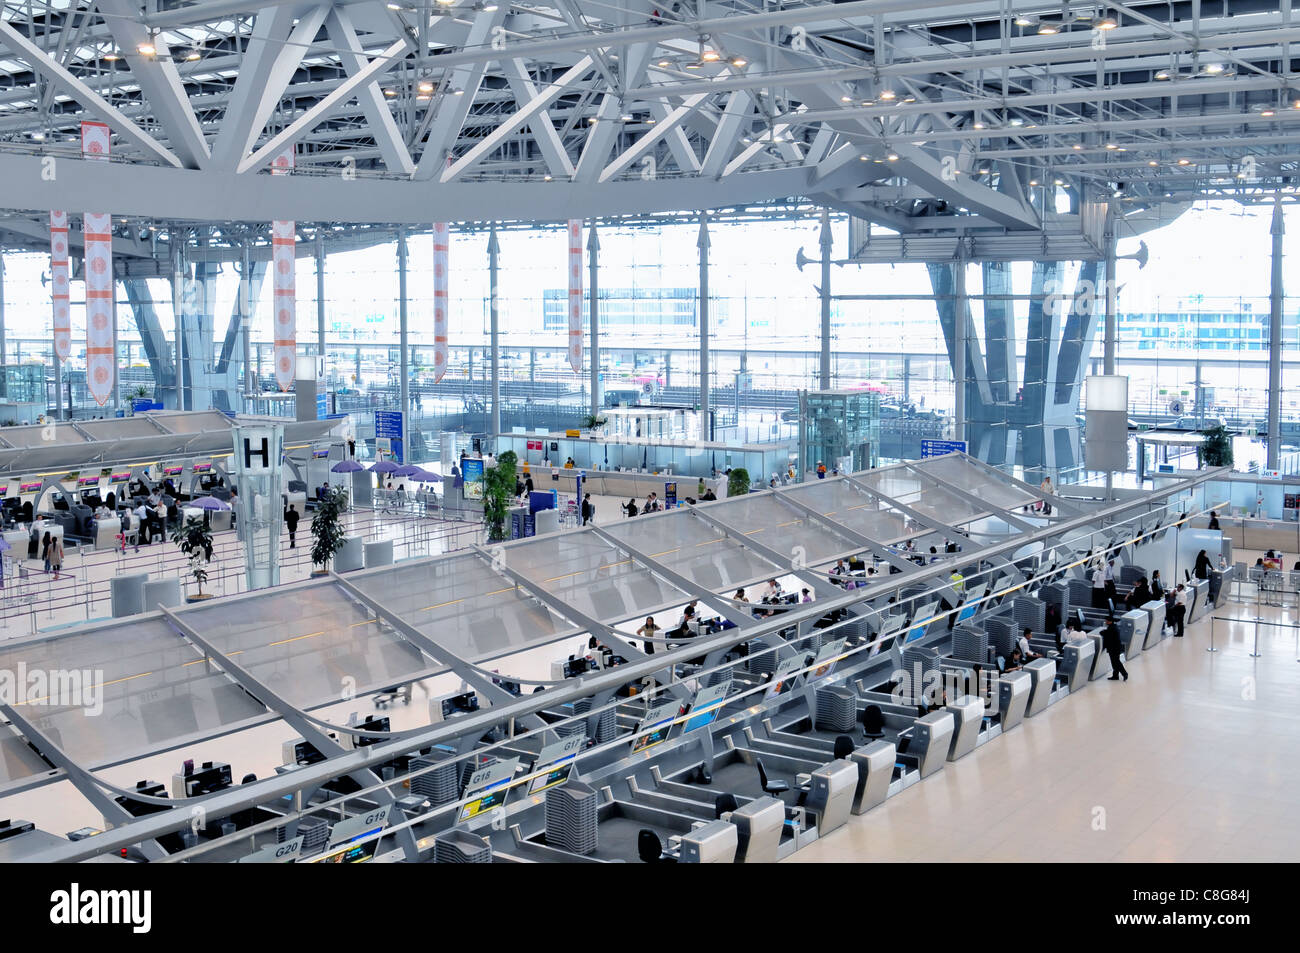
(390, 93)
(1107, 23)
(979, 125)
(1016, 122)
(490, 7)
(650, 121)
(1048, 29)
(887, 94)
(1024, 21)
(739, 62)
(694, 65)
(909, 99)
(626, 117)
(892, 157)
(146, 48)
(1184, 161)
(593, 120)
(422, 97)
(425, 86)
(1213, 69)
(1163, 74)
(663, 62)
(860, 158)
(872, 102)
(709, 56)
(394, 6)
(1111, 145)
(984, 171)
(1076, 147)
(1152, 162)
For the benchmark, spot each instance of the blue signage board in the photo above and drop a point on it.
(670, 495)
(471, 472)
(388, 424)
(937, 448)
(322, 406)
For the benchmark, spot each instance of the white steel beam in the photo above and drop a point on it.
(371, 98)
(542, 128)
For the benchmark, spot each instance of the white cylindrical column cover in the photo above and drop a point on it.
(441, 247)
(283, 266)
(59, 284)
(575, 295)
(101, 344)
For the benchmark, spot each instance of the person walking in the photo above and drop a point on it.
(56, 555)
(45, 549)
(291, 521)
(588, 509)
(1110, 641)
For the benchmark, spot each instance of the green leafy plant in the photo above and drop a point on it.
(327, 526)
(498, 491)
(141, 392)
(738, 482)
(1216, 451)
(195, 541)
(591, 422)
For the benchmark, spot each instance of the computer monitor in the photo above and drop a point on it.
(657, 725)
(494, 795)
(558, 773)
(380, 723)
(827, 656)
(352, 852)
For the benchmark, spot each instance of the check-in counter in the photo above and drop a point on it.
(1133, 626)
(1100, 658)
(1197, 591)
(830, 795)
(875, 763)
(1042, 674)
(758, 830)
(1076, 663)
(931, 736)
(968, 715)
(1013, 698)
(1156, 627)
(713, 842)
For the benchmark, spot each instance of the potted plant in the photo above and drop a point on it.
(195, 540)
(593, 422)
(738, 482)
(1216, 451)
(498, 491)
(327, 529)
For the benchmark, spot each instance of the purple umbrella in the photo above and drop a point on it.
(209, 503)
(424, 476)
(406, 470)
(384, 466)
(346, 466)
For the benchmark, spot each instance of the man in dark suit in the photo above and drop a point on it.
(291, 521)
(1110, 641)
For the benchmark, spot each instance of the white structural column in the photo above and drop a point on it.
(1277, 230)
(825, 289)
(575, 295)
(101, 339)
(246, 308)
(441, 262)
(593, 310)
(961, 326)
(404, 359)
(706, 428)
(494, 319)
(1109, 333)
(283, 266)
(320, 296)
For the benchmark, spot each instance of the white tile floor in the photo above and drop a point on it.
(1196, 757)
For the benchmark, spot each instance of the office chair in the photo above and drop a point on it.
(770, 787)
(843, 747)
(724, 803)
(650, 849)
(248, 779)
(873, 722)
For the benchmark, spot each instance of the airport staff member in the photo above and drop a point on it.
(649, 630)
(1099, 586)
(1111, 643)
(821, 470)
(1214, 520)
(291, 521)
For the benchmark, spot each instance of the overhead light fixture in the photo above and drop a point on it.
(1059, 181)
(490, 7)
(979, 125)
(863, 158)
(425, 86)
(872, 102)
(892, 157)
(739, 61)
(663, 63)
(1015, 122)
(1048, 29)
(1024, 21)
(1184, 161)
(1213, 69)
(626, 116)
(887, 94)
(1152, 162)
(445, 3)
(846, 99)
(394, 6)
(192, 55)
(110, 56)
(909, 99)
(38, 136)
(146, 48)
(593, 120)
(422, 97)
(1112, 146)
(1107, 23)
(984, 171)
(709, 56)
(1162, 74)
(390, 93)
(650, 121)
(695, 65)
(1266, 112)
(1033, 182)
(1076, 147)
(547, 178)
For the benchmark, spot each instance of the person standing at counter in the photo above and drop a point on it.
(1214, 520)
(1099, 586)
(1202, 569)
(1110, 641)
(649, 631)
(588, 509)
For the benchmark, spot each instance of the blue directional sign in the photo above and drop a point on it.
(388, 423)
(937, 448)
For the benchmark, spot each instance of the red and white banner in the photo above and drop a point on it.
(283, 264)
(441, 246)
(59, 284)
(101, 339)
(575, 294)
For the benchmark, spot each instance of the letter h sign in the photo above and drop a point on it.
(257, 446)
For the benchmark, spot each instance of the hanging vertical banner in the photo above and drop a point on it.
(441, 245)
(575, 294)
(59, 284)
(283, 265)
(101, 342)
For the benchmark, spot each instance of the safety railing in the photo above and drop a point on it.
(1256, 622)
